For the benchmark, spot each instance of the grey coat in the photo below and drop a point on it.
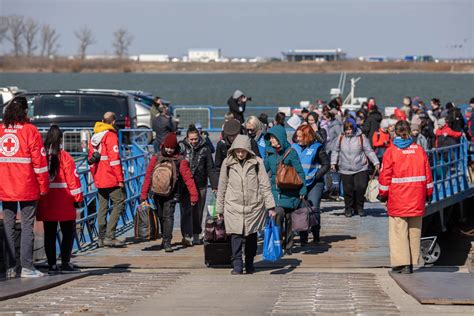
(334, 130)
(422, 141)
(244, 191)
(351, 157)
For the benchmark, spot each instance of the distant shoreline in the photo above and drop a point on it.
(63, 65)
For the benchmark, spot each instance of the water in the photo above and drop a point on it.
(266, 89)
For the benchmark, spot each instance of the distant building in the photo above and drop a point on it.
(374, 58)
(204, 55)
(314, 55)
(153, 58)
(417, 58)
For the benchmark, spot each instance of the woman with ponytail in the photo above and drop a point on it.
(59, 205)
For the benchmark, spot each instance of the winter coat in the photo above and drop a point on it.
(334, 130)
(162, 125)
(221, 152)
(236, 109)
(201, 163)
(185, 177)
(421, 140)
(64, 190)
(445, 136)
(455, 120)
(352, 153)
(107, 173)
(284, 198)
(244, 191)
(381, 140)
(23, 165)
(372, 124)
(405, 179)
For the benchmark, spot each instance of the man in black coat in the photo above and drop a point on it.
(198, 154)
(162, 125)
(237, 103)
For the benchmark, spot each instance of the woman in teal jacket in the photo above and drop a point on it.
(286, 200)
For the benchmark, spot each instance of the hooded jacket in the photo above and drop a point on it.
(284, 198)
(244, 191)
(372, 124)
(23, 165)
(107, 173)
(352, 154)
(201, 163)
(236, 109)
(405, 179)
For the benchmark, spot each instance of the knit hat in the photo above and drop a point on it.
(170, 141)
(353, 123)
(232, 127)
(237, 94)
(415, 127)
(442, 122)
(384, 124)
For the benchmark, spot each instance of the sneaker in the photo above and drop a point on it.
(69, 268)
(348, 213)
(186, 242)
(197, 240)
(361, 213)
(54, 270)
(114, 243)
(167, 247)
(236, 272)
(288, 252)
(12, 273)
(27, 273)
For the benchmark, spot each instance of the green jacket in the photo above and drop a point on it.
(283, 198)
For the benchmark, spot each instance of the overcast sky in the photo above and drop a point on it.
(262, 27)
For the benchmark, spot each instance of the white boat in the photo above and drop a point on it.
(351, 102)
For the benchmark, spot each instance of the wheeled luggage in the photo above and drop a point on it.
(217, 254)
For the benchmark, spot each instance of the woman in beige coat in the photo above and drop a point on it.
(243, 196)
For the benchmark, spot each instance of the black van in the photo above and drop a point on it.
(80, 108)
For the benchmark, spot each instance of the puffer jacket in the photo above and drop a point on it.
(201, 163)
(352, 152)
(285, 198)
(244, 191)
(334, 130)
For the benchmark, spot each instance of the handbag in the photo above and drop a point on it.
(304, 218)
(372, 189)
(272, 250)
(287, 177)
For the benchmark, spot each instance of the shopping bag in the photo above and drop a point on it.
(272, 250)
(211, 206)
(372, 189)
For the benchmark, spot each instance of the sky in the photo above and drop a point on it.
(246, 28)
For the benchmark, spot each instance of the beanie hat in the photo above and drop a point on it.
(232, 127)
(237, 94)
(442, 122)
(170, 141)
(415, 127)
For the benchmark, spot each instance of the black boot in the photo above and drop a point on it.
(249, 267)
(167, 246)
(348, 212)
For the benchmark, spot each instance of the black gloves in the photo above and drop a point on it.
(382, 198)
(78, 204)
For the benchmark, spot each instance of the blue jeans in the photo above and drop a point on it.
(315, 192)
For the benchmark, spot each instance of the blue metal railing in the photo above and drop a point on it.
(449, 170)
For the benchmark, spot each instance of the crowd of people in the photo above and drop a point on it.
(327, 144)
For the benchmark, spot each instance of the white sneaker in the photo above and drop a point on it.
(27, 273)
(12, 273)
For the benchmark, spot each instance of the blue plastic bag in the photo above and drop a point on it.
(272, 250)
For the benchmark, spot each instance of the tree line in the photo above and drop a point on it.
(27, 37)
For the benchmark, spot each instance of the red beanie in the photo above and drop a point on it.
(170, 141)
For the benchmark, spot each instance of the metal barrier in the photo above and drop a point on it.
(449, 170)
(134, 157)
(75, 140)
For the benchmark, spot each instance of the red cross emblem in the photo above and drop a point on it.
(9, 145)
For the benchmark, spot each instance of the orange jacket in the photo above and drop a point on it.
(381, 138)
(405, 178)
(64, 190)
(107, 172)
(23, 165)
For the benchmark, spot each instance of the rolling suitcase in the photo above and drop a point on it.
(217, 254)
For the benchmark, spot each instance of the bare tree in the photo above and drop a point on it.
(85, 37)
(3, 27)
(49, 40)
(122, 41)
(31, 30)
(16, 28)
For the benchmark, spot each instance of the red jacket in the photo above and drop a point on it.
(23, 166)
(381, 139)
(446, 131)
(184, 171)
(64, 190)
(107, 172)
(405, 178)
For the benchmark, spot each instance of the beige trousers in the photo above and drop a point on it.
(404, 235)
